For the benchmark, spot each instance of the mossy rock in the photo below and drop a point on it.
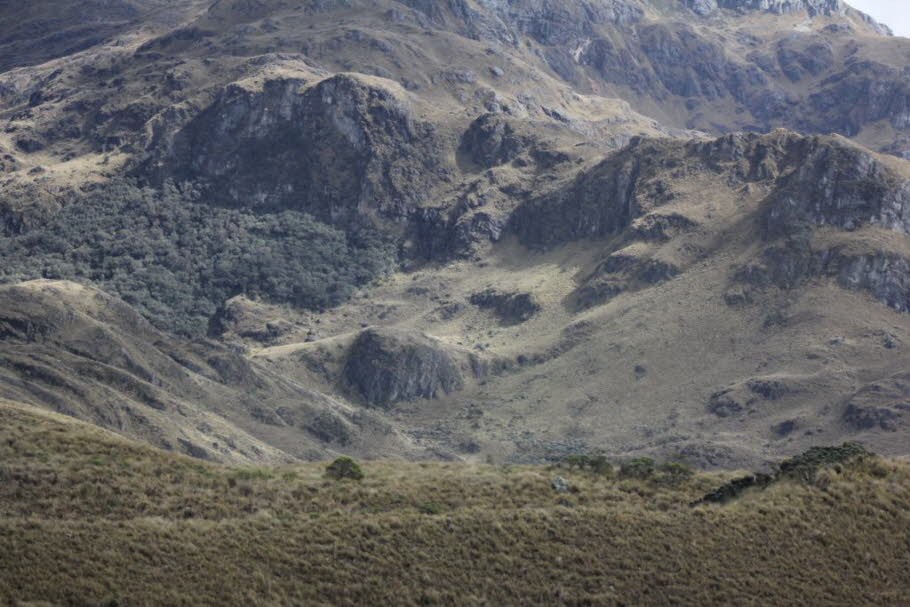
(344, 468)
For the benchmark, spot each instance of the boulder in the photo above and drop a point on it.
(387, 366)
(560, 485)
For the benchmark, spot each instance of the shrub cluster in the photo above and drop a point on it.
(176, 259)
(344, 468)
(594, 462)
(668, 473)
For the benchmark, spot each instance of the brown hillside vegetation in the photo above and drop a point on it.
(87, 518)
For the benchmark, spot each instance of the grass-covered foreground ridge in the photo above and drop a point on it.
(87, 518)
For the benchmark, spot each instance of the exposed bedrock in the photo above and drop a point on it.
(387, 366)
(343, 148)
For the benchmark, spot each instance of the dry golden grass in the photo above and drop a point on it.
(87, 518)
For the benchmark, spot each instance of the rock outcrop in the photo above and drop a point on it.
(621, 273)
(493, 140)
(782, 7)
(746, 397)
(836, 185)
(880, 405)
(512, 308)
(387, 366)
(599, 202)
(341, 149)
(241, 318)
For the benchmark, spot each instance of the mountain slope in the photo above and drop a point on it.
(465, 229)
(85, 354)
(682, 317)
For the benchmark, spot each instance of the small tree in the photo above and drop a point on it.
(675, 473)
(342, 468)
(640, 468)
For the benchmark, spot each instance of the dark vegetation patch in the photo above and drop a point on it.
(344, 468)
(804, 467)
(176, 259)
(511, 308)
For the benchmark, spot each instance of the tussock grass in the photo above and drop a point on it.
(87, 518)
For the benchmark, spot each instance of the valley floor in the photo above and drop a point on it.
(87, 518)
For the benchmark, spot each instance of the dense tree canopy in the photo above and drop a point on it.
(176, 259)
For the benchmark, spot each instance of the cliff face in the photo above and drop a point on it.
(810, 183)
(782, 7)
(338, 149)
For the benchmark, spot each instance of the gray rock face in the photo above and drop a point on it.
(840, 186)
(492, 140)
(702, 7)
(581, 39)
(386, 366)
(439, 235)
(598, 203)
(884, 275)
(550, 22)
(875, 92)
(813, 182)
(782, 7)
(336, 149)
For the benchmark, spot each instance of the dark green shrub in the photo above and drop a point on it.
(805, 465)
(674, 473)
(344, 468)
(595, 463)
(176, 259)
(641, 468)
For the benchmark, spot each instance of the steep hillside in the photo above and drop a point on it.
(690, 299)
(461, 229)
(87, 355)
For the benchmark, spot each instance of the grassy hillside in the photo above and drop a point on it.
(87, 518)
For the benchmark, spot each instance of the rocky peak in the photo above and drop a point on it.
(778, 7)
